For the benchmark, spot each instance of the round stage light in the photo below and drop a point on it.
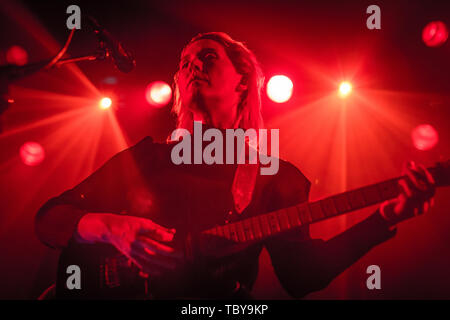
(158, 94)
(424, 137)
(32, 153)
(17, 55)
(105, 103)
(345, 88)
(435, 34)
(279, 88)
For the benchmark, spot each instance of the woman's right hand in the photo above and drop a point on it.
(137, 238)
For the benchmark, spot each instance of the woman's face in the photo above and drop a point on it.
(205, 71)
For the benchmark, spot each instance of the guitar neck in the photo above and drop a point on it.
(272, 223)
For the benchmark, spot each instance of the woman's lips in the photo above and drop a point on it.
(198, 80)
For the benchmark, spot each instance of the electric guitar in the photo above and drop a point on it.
(108, 274)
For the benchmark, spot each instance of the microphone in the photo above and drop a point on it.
(123, 59)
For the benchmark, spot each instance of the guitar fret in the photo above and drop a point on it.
(233, 232)
(273, 222)
(294, 219)
(240, 231)
(248, 229)
(316, 211)
(328, 207)
(265, 226)
(256, 227)
(226, 232)
(284, 220)
(356, 199)
(304, 214)
(341, 202)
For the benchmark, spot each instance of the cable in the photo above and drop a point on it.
(62, 52)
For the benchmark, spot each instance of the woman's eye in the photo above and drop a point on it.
(209, 56)
(184, 63)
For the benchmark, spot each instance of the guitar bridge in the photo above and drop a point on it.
(109, 273)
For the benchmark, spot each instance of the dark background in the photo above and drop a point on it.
(400, 82)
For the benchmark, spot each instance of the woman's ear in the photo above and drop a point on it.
(242, 86)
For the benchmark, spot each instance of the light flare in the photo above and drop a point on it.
(158, 94)
(279, 88)
(105, 103)
(345, 88)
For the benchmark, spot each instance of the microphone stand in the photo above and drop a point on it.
(10, 73)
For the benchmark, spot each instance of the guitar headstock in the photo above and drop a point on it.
(441, 173)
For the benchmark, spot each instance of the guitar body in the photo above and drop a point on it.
(105, 273)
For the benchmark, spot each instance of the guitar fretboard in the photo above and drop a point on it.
(269, 224)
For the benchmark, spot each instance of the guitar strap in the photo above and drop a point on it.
(244, 184)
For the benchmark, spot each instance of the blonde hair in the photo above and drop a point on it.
(245, 63)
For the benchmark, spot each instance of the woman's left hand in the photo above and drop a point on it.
(415, 198)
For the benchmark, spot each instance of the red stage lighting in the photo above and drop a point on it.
(435, 34)
(279, 88)
(158, 94)
(424, 137)
(105, 103)
(345, 88)
(32, 153)
(17, 55)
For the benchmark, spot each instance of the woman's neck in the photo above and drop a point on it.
(218, 114)
(221, 120)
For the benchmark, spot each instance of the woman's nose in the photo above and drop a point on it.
(196, 64)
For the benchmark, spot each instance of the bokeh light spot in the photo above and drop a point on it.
(424, 137)
(435, 34)
(158, 94)
(32, 153)
(345, 88)
(105, 103)
(17, 55)
(279, 88)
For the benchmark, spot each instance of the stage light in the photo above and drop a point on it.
(17, 55)
(435, 34)
(158, 94)
(32, 153)
(345, 88)
(105, 103)
(424, 137)
(279, 88)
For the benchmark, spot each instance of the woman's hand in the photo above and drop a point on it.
(137, 238)
(416, 197)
